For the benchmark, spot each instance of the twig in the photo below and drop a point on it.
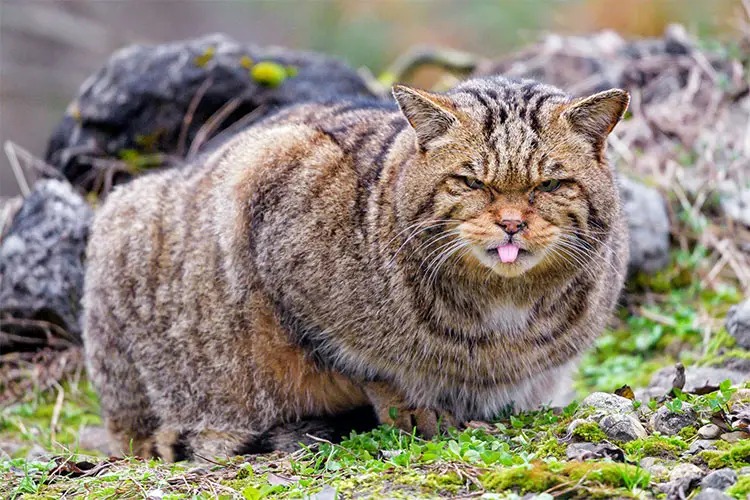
(658, 318)
(188, 120)
(409, 61)
(47, 327)
(213, 123)
(238, 125)
(56, 411)
(23, 184)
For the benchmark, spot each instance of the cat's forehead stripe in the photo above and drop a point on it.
(515, 142)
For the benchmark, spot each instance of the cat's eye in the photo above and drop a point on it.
(474, 183)
(549, 186)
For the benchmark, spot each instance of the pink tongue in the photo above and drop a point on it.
(507, 253)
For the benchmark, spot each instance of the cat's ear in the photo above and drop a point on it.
(597, 115)
(431, 115)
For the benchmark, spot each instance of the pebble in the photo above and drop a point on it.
(655, 466)
(711, 494)
(685, 471)
(733, 437)
(591, 451)
(671, 423)
(622, 428)
(38, 454)
(719, 479)
(709, 431)
(607, 403)
(700, 445)
(741, 395)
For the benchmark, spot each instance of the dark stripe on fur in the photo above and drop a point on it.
(181, 449)
(334, 428)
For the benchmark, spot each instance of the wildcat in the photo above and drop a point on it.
(437, 260)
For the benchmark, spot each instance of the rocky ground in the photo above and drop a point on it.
(664, 395)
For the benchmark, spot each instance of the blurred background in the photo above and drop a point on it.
(49, 47)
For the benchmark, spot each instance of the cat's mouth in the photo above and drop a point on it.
(507, 253)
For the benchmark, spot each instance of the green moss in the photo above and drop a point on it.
(269, 73)
(735, 456)
(540, 477)
(688, 432)
(536, 478)
(655, 446)
(617, 475)
(202, 60)
(450, 482)
(589, 431)
(721, 360)
(551, 448)
(741, 489)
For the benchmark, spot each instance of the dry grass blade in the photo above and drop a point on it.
(188, 119)
(213, 123)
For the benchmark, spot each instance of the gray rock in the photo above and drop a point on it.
(591, 451)
(700, 445)
(743, 471)
(327, 493)
(670, 423)
(695, 377)
(655, 467)
(622, 427)
(580, 451)
(607, 404)
(94, 438)
(683, 471)
(41, 258)
(38, 454)
(648, 225)
(138, 101)
(738, 322)
(737, 206)
(9, 448)
(575, 423)
(711, 494)
(709, 431)
(682, 480)
(736, 436)
(719, 479)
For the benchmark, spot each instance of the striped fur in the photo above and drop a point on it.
(298, 272)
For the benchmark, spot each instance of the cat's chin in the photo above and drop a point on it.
(524, 262)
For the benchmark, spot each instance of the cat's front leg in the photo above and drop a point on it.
(391, 408)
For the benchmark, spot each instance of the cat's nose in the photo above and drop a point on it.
(512, 226)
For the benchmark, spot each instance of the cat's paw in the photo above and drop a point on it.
(428, 422)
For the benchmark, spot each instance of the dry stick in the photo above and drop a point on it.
(452, 60)
(47, 327)
(213, 123)
(717, 268)
(746, 8)
(188, 120)
(234, 127)
(468, 476)
(23, 184)
(658, 318)
(56, 411)
(723, 247)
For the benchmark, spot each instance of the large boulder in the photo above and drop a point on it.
(648, 226)
(41, 257)
(738, 323)
(146, 106)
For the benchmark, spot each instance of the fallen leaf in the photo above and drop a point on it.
(626, 392)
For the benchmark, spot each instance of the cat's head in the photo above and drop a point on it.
(513, 171)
